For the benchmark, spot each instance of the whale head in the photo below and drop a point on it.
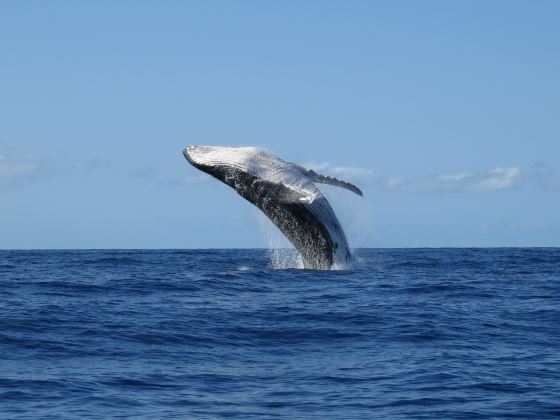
(217, 156)
(229, 164)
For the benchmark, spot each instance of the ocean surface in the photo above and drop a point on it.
(405, 333)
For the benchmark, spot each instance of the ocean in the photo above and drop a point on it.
(403, 333)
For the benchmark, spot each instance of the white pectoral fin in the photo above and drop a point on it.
(323, 179)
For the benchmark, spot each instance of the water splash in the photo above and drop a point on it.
(282, 255)
(355, 215)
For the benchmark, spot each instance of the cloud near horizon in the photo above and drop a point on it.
(546, 176)
(494, 180)
(17, 169)
(350, 172)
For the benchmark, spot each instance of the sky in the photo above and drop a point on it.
(446, 115)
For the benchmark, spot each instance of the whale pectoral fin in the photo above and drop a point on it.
(262, 191)
(323, 179)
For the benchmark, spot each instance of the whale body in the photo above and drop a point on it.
(286, 194)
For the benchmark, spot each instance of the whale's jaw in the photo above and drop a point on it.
(284, 194)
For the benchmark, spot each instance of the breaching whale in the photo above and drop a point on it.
(286, 194)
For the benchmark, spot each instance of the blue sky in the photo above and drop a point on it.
(444, 113)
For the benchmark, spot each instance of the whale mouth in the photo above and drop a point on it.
(195, 154)
(215, 156)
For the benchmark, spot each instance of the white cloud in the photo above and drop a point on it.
(13, 170)
(395, 183)
(496, 179)
(454, 177)
(349, 172)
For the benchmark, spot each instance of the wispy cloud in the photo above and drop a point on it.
(153, 173)
(349, 172)
(89, 165)
(494, 180)
(497, 179)
(14, 169)
(546, 176)
(17, 168)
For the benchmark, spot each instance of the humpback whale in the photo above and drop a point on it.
(286, 194)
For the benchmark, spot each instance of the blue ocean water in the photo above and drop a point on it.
(406, 333)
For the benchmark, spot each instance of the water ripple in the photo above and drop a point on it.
(405, 333)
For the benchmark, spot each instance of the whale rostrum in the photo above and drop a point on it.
(286, 194)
